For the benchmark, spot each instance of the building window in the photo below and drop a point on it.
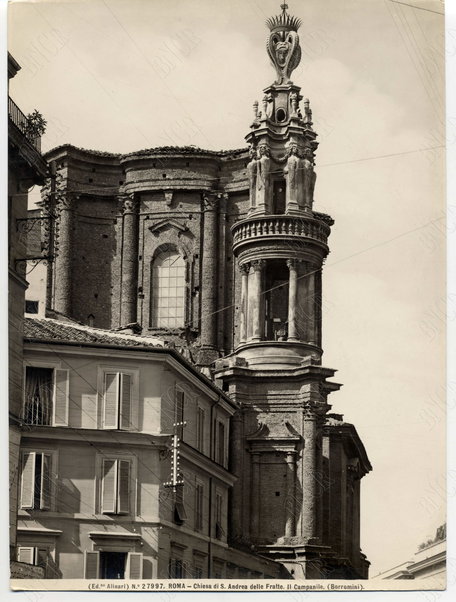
(197, 572)
(176, 568)
(115, 486)
(31, 307)
(46, 396)
(218, 516)
(113, 565)
(219, 435)
(179, 402)
(117, 400)
(33, 555)
(199, 492)
(36, 481)
(168, 290)
(180, 515)
(200, 430)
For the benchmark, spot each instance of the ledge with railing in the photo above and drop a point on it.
(21, 122)
(279, 226)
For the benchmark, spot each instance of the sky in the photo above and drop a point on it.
(124, 75)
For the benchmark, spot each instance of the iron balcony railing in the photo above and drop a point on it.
(20, 121)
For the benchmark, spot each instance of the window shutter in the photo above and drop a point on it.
(109, 486)
(25, 554)
(61, 397)
(135, 561)
(125, 401)
(91, 565)
(45, 485)
(46, 482)
(110, 417)
(28, 479)
(123, 486)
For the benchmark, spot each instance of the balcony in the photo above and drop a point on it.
(280, 228)
(20, 121)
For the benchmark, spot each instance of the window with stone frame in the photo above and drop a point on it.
(46, 396)
(115, 486)
(199, 503)
(168, 287)
(117, 400)
(218, 516)
(38, 556)
(37, 483)
(200, 422)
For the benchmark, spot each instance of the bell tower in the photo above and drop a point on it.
(281, 498)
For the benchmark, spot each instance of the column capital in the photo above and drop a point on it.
(257, 264)
(244, 268)
(128, 202)
(293, 262)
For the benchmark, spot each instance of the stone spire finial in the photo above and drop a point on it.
(283, 44)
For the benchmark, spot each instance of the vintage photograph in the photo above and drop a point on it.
(227, 294)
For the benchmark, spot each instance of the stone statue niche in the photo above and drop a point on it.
(263, 179)
(252, 172)
(308, 179)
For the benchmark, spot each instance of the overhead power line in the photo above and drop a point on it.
(429, 10)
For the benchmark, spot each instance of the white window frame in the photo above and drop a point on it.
(133, 483)
(53, 469)
(133, 373)
(63, 418)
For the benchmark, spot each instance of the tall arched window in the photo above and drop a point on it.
(168, 290)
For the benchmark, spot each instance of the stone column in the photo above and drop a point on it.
(256, 300)
(310, 303)
(318, 307)
(244, 269)
(63, 288)
(208, 334)
(290, 524)
(255, 496)
(129, 275)
(309, 509)
(292, 300)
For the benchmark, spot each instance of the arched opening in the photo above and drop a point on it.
(168, 290)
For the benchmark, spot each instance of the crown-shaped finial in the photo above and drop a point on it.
(283, 22)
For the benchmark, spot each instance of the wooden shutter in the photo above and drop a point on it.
(123, 487)
(109, 486)
(91, 565)
(134, 565)
(111, 401)
(46, 482)
(26, 554)
(28, 480)
(125, 401)
(61, 397)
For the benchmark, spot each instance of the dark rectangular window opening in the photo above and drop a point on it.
(112, 565)
(278, 197)
(31, 307)
(38, 396)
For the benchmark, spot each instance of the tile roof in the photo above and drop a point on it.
(48, 329)
(158, 150)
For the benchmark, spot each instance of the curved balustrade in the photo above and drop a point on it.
(278, 226)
